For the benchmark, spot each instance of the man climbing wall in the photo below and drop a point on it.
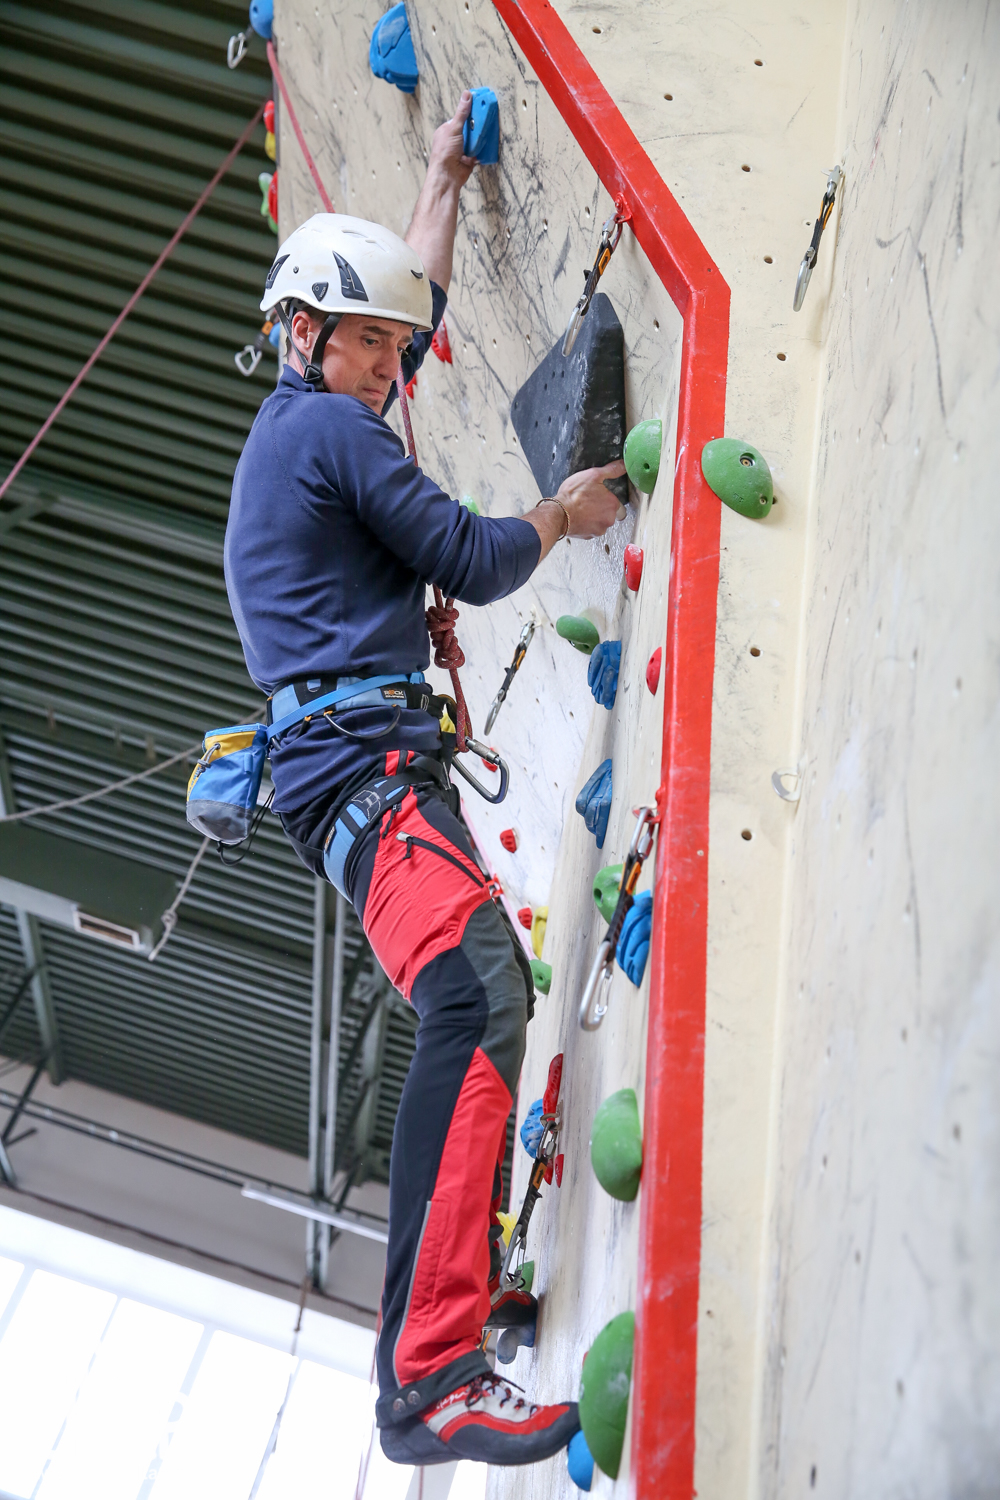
(333, 536)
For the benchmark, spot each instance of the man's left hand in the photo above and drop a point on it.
(447, 156)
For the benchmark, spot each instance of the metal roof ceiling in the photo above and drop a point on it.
(116, 643)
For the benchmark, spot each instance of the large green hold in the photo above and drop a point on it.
(541, 973)
(579, 632)
(642, 454)
(739, 475)
(605, 888)
(604, 1387)
(616, 1145)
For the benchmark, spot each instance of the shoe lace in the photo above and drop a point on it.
(487, 1385)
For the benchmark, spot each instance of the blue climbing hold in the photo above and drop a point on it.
(580, 1462)
(602, 674)
(593, 802)
(481, 136)
(633, 945)
(274, 337)
(532, 1129)
(262, 17)
(391, 53)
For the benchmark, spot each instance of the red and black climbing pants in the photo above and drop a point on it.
(428, 914)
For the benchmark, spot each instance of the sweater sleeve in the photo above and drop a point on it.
(472, 558)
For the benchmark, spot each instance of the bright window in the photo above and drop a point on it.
(126, 1378)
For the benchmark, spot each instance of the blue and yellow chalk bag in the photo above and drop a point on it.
(222, 791)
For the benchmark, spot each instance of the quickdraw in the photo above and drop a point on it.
(519, 653)
(611, 233)
(594, 1009)
(541, 1171)
(809, 259)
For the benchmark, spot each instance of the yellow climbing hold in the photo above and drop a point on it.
(507, 1221)
(538, 922)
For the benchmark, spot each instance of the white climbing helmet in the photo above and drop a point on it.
(342, 265)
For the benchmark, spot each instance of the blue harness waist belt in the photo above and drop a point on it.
(284, 708)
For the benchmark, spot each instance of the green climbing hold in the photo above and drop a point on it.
(642, 454)
(604, 1387)
(470, 504)
(541, 973)
(605, 888)
(616, 1145)
(527, 1275)
(578, 631)
(739, 475)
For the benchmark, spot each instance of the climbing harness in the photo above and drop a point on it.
(611, 233)
(809, 259)
(523, 643)
(545, 1156)
(594, 1009)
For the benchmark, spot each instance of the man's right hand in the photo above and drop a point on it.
(592, 508)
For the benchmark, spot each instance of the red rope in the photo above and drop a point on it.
(442, 614)
(324, 195)
(164, 255)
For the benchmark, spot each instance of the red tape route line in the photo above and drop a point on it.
(665, 1367)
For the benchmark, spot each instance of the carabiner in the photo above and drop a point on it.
(611, 233)
(485, 753)
(591, 1015)
(237, 47)
(524, 641)
(833, 178)
(248, 359)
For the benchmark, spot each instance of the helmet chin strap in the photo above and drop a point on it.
(312, 368)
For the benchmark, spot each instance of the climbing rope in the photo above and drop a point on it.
(442, 614)
(163, 256)
(324, 195)
(169, 918)
(102, 791)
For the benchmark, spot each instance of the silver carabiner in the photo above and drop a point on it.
(573, 326)
(237, 47)
(250, 354)
(485, 753)
(592, 1015)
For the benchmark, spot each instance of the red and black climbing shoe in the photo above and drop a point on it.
(515, 1313)
(488, 1421)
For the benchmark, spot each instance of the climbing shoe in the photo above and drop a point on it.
(488, 1421)
(515, 1314)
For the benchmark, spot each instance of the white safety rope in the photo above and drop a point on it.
(169, 918)
(102, 791)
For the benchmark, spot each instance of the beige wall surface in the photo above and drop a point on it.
(883, 1326)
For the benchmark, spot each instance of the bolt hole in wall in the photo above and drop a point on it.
(768, 261)
(670, 97)
(782, 357)
(746, 834)
(758, 62)
(745, 167)
(754, 650)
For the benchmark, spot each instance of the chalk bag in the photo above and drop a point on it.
(222, 792)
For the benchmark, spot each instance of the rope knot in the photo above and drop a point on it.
(441, 628)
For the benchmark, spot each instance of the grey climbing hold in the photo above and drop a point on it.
(570, 414)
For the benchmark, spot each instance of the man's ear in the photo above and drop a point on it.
(305, 333)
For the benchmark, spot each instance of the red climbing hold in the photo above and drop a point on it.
(440, 344)
(269, 116)
(558, 1164)
(653, 670)
(272, 197)
(509, 840)
(411, 387)
(525, 916)
(633, 566)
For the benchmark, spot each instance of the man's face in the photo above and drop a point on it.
(361, 357)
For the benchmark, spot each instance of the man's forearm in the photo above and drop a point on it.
(432, 228)
(549, 521)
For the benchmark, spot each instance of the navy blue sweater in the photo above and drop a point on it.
(333, 536)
